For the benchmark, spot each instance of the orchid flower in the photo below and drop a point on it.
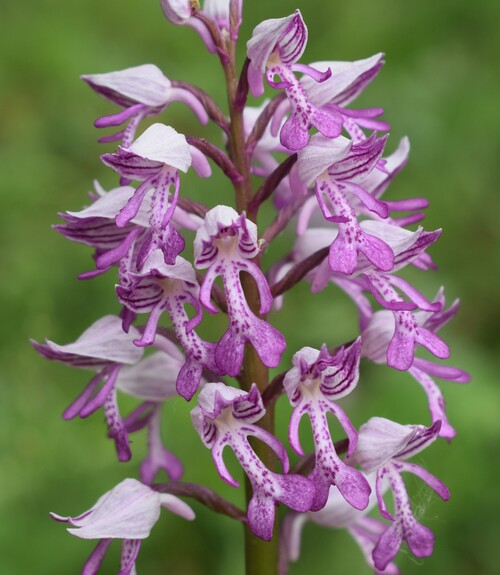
(227, 416)
(141, 91)
(346, 82)
(276, 46)
(226, 244)
(103, 348)
(107, 350)
(128, 512)
(376, 342)
(95, 226)
(156, 158)
(384, 446)
(158, 287)
(313, 386)
(337, 168)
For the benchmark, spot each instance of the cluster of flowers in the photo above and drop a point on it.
(330, 187)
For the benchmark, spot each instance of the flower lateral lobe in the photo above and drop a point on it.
(226, 416)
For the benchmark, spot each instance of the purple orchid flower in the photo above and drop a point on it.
(338, 514)
(155, 158)
(313, 385)
(128, 512)
(375, 183)
(406, 331)
(153, 380)
(158, 287)
(337, 169)
(276, 45)
(141, 91)
(377, 339)
(226, 416)
(384, 446)
(406, 247)
(104, 348)
(225, 244)
(95, 226)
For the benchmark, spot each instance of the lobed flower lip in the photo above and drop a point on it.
(405, 244)
(143, 84)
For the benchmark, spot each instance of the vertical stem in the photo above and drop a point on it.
(261, 557)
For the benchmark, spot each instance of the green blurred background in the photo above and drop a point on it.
(440, 86)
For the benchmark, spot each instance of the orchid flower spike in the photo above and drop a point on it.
(226, 416)
(128, 512)
(274, 49)
(384, 446)
(313, 385)
(226, 244)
